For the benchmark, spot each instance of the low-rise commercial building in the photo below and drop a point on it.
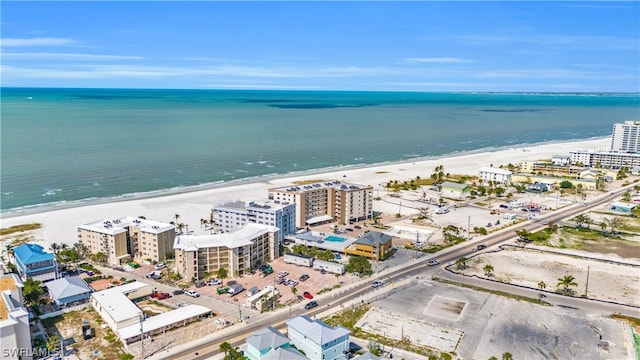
(497, 175)
(238, 251)
(33, 262)
(373, 245)
(116, 306)
(454, 191)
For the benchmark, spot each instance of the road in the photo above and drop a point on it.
(206, 347)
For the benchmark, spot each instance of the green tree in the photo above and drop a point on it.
(499, 191)
(461, 263)
(615, 223)
(507, 356)
(603, 225)
(488, 269)
(33, 293)
(581, 219)
(99, 257)
(359, 264)
(565, 283)
(52, 343)
(222, 274)
(338, 278)
(566, 184)
(523, 234)
(294, 291)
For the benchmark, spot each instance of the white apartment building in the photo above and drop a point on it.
(15, 335)
(317, 340)
(237, 251)
(128, 238)
(610, 160)
(326, 201)
(231, 216)
(626, 137)
(497, 175)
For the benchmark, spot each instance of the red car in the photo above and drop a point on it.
(307, 295)
(160, 295)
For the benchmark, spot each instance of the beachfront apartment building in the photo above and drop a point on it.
(327, 201)
(611, 160)
(238, 252)
(231, 216)
(626, 137)
(497, 175)
(15, 334)
(33, 262)
(128, 238)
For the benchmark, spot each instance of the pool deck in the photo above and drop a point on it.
(318, 239)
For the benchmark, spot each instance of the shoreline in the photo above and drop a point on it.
(60, 225)
(178, 190)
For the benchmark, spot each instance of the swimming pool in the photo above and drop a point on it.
(334, 238)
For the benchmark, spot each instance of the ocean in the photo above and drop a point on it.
(62, 147)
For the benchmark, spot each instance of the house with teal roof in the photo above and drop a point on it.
(269, 344)
(32, 261)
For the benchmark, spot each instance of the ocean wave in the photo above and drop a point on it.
(51, 192)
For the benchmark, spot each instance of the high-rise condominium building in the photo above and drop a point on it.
(128, 238)
(626, 137)
(327, 201)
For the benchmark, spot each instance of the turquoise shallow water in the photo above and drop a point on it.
(80, 145)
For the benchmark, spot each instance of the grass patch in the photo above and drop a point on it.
(633, 321)
(494, 292)
(381, 172)
(305, 182)
(20, 228)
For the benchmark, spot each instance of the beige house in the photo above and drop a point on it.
(128, 238)
(237, 251)
(327, 201)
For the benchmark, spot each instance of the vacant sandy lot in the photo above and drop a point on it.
(617, 282)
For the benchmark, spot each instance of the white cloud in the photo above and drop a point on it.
(565, 41)
(551, 73)
(42, 41)
(438, 60)
(67, 56)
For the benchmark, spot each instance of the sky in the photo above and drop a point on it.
(321, 45)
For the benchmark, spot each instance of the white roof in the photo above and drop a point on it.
(232, 240)
(318, 219)
(117, 304)
(316, 331)
(495, 170)
(335, 184)
(159, 321)
(116, 226)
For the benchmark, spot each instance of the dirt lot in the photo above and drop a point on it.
(608, 281)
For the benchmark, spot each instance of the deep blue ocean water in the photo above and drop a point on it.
(61, 146)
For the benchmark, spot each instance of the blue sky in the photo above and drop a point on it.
(381, 46)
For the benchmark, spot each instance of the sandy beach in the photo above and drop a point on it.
(60, 226)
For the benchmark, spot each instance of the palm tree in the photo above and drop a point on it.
(581, 219)
(338, 278)
(52, 343)
(541, 286)
(55, 247)
(461, 263)
(615, 223)
(222, 274)
(565, 283)
(226, 348)
(507, 356)
(294, 290)
(488, 269)
(603, 226)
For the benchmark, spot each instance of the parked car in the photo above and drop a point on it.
(311, 305)
(292, 282)
(307, 295)
(377, 283)
(433, 262)
(192, 293)
(178, 292)
(213, 282)
(304, 277)
(337, 256)
(160, 295)
(358, 227)
(161, 266)
(283, 273)
(300, 298)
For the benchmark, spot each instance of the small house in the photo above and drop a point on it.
(454, 191)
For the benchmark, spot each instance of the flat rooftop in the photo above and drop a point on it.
(7, 282)
(335, 184)
(165, 319)
(318, 239)
(120, 225)
(231, 240)
(116, 302)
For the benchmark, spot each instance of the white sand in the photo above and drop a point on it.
(60, 226)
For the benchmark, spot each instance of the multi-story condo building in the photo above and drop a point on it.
(611, 160)
(626, 137)
(497, 175)
(128, 238)
(231, 216)
(237, 251)
(15, 334)
(317, 340)
(327, 201)
(32, 261)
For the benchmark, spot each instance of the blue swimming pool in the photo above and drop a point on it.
(334, 238)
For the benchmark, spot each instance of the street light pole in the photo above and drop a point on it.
(141, 336)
